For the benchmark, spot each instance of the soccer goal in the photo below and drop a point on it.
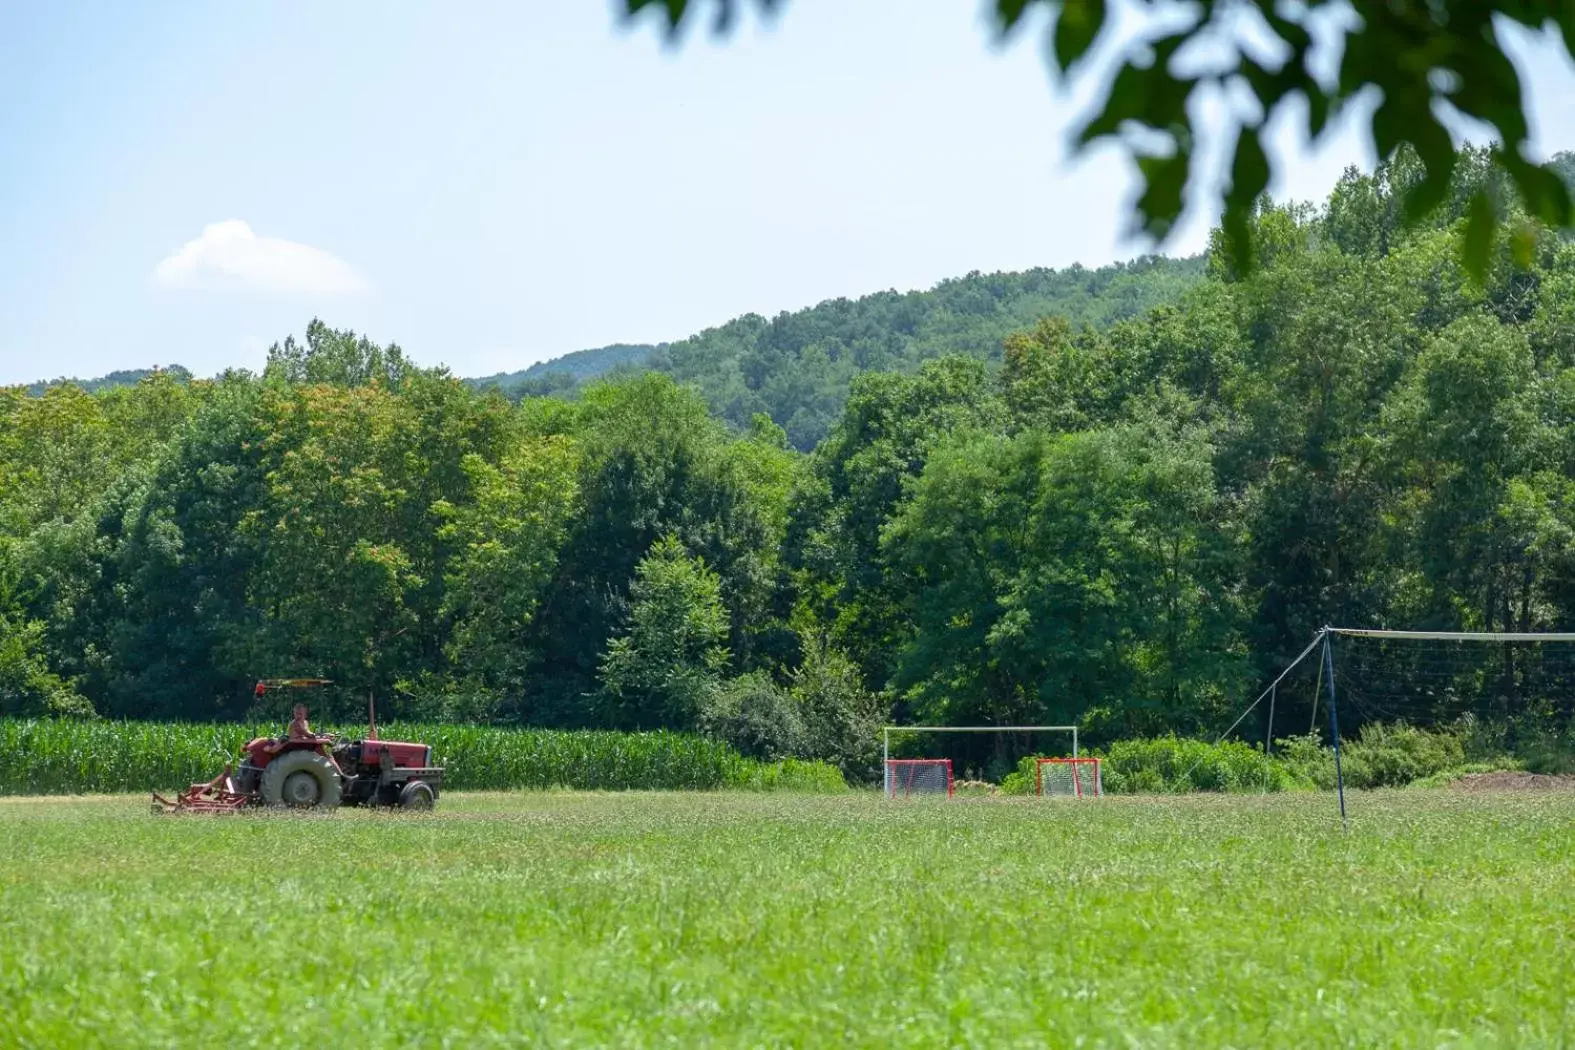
(911, 774)
(906, 777)
(1068, 778)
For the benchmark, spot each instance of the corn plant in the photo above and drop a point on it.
(61, 756)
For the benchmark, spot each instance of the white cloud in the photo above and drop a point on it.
(230, 255)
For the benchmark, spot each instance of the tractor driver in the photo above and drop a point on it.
(299, 729)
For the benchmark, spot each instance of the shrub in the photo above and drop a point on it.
(841, 718)
(1542, 747)
(1172, 764)
(1448, 776)
(1169, 765)
(755, 716)
(1020, 781)
(1306, 760)
(1395, 755)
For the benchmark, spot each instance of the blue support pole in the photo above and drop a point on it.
(1334, 718)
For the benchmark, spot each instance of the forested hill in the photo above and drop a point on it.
(123, 377)
(547, 377)
(796, 367)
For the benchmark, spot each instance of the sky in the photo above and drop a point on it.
(491, 184)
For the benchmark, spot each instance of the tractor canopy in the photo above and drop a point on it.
(289, 683)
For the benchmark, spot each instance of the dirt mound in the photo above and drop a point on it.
(1513, 780)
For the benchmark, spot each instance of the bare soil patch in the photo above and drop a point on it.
(1513, 780)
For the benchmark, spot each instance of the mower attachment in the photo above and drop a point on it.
(216, 796)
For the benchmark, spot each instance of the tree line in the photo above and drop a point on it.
(1127, 526)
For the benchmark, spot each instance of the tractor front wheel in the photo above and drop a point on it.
(301, 780)
(417, 795)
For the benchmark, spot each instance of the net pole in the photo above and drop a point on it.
(1334, 720)
(1319, 636)
(1074, 741)
(1317, 694)
(1268, 737)
(885, 760)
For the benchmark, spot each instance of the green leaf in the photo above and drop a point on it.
(1565, 18)
(1150, 95)
(1009, 12)
(674, 11)
(1477, 246)
(1164, 184)
(1545, 195)
(1249, 178)
(1249, 172)
(670, 10)
(1437, 152)
(1076, 29)
(1523, 244)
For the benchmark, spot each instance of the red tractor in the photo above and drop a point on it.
(317, 772)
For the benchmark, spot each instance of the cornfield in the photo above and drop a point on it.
(79, 757)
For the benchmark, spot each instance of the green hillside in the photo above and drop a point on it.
(796, 367)
(123, 377)
(545, 377)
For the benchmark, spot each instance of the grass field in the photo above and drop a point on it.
(564, 919)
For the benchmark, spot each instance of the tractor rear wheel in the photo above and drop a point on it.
(300, 779)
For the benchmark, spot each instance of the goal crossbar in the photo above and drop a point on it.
(1457, 636)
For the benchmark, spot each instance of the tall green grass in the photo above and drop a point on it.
(582, 919)
(61, 756)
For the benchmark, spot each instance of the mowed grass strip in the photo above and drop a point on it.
(651, 919)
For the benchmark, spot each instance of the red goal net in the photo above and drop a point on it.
(1068, 777)
(918, 776)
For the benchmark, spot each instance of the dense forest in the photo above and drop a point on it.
(1118, 514)
(564, 373)
(797, 368)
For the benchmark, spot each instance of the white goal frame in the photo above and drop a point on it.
(887, 731)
